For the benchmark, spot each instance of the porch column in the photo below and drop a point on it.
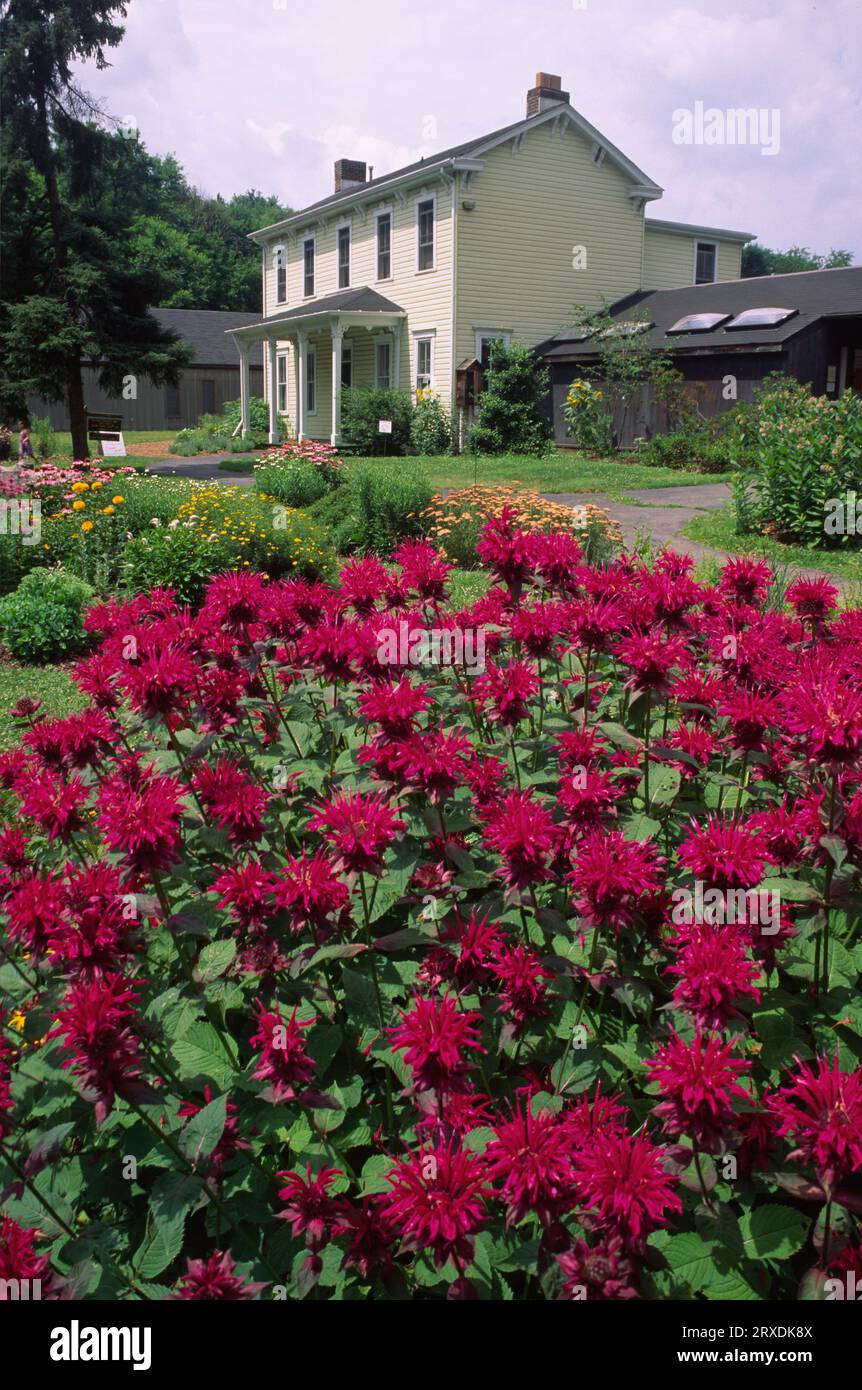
(244, 385)
(273, 392)
(301, 343)
(337, 340)
(396, 354)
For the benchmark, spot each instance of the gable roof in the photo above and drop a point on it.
(204, 330)
(472, 149)
(362, 300)
(814, 294)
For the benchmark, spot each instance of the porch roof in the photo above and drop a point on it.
(362, 306)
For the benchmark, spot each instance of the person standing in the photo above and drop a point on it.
(25, 447)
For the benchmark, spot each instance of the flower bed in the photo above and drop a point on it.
(526, 975)
(455, 519)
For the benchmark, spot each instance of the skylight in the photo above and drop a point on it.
(698, 323)
(761, 318)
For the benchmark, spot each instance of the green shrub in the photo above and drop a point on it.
(16, 560)
(362, 409)
(512, 418)
(296, 483)
(431, 427)
(42, 620)
(181, 558)
(800, 460)
(588, 419)
(375, 507)
(43, 437)
(696, 445)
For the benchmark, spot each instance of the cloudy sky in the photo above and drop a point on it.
(268, 93)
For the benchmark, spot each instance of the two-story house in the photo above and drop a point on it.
(403, 279)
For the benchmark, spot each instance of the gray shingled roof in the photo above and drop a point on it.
(206, 330)
(362, 300)
(814, 294)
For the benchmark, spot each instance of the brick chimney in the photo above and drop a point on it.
(547, 92)
(349, 173)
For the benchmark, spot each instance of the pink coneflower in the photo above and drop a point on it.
(423, 568)
(621, 1179)
(471, 948)
(715, 975)
(395, 707)
(247, 892)
(823, 708)
(750, 713)
(538, 629)
(523, 834)
(609, 877)
(309, 890)
(283, 1060)
(588, 798)
(556, 558)
(437, 1201)
(95, 1024)
(699, 1083)
(369, 1237)
(531, 1159)
(213, 1279)
(745, 579)
(436, 762)
(782, 831)
(599, 1272)
(812, 598)
(820, 1110)
(650, 657)
(360, 583)
(433, 1035)
(36, 913)
(234, 800)
(141, 820)
(599, 1115)
(234, 600)
(504, 692)
(160, 683)
(724, 854)
(359, 828)
(521, 977)
(55, 805)
(98, 937)
(308, 1206)
(505, 549)
(19, 1260)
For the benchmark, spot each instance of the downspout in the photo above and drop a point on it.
(454, 259)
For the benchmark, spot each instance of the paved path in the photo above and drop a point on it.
(204, 468)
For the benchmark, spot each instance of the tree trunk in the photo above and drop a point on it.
(77, 413)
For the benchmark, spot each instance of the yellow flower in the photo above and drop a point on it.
(80, 487)
(78, 506)
(108, 511)
(118, 501)
(86, 525)
(96, 485)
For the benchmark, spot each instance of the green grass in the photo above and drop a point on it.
(718, 529)
(466, 586)
(560, 472)
(50, 684)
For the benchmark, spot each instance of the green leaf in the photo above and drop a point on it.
(203, 1131)
(214, 960)
(200, 1053)
(618, 735)
(664, 784)
(773, 1232)
(690, 1260)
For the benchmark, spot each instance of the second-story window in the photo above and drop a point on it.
(280, 275)
(308, 267)
(343, 258)
(384, 246)
(705, 263)
(425, 234)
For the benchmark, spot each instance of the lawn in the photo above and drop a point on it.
(560, 472)
(138, 459)
(718, 529)
(50, 684)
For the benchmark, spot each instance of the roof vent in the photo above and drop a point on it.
(547, 92)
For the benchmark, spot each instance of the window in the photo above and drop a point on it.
(208, 396)
(172, 402)
(383, 365)
(698, 323)
(280, 275)
(346, 364)
(761, 318)
(311, 381)
(424, 357)
(308, 267)
(343, 257)
(384, 246)
(425, 234)
(281, 369)
(484, 338)
(705, 263)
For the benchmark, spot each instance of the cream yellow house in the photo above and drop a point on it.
(405, 279)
